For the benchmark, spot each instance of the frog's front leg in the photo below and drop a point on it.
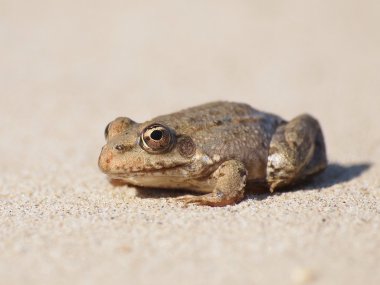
(230, 179)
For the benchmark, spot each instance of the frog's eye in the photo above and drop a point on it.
(156, 138)
(106, 131)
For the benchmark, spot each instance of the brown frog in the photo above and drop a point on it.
(217, 149)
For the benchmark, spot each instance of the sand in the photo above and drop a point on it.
(69, 67)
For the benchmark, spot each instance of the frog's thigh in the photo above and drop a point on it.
(297, 150)
(230, 179)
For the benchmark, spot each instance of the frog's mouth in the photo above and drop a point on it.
(169, 171)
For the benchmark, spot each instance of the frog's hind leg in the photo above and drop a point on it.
(297, 151)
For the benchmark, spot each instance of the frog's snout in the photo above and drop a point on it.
(105, 159)
(112, 158)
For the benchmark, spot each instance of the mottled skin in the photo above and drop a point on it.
(215, 149)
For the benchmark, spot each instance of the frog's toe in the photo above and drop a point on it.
(188, 199)
(211, 199)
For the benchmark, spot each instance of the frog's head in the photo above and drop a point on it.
(147, 149)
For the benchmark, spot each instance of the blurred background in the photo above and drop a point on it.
(69, 67)
(82, 63)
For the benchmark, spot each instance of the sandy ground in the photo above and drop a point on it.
(69, 67)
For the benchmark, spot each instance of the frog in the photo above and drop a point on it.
(216, 151)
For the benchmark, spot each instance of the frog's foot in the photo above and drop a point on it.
(230, 179)
(297, 151)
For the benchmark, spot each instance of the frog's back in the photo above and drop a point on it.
(215, 114)
(227, 130)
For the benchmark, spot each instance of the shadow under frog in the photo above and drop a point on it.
(334, 174)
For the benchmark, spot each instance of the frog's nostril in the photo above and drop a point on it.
(120, 147)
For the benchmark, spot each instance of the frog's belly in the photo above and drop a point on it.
(169, 182)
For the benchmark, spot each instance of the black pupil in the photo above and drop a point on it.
(156, 135)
